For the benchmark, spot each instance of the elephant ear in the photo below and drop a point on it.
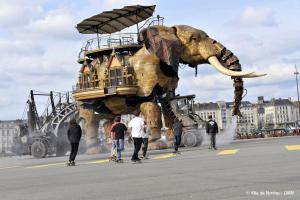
(162, 42)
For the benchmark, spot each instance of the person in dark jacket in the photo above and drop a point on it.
(74, 136)
(212, 129)
(177, 130)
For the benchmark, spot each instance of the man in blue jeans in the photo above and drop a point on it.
(119, 130)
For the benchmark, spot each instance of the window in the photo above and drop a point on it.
(115, 77)
(130, 78)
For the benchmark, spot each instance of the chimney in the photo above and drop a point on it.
(260, 99)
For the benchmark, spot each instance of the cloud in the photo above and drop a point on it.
(55, 25)
(5, 79)
(20, 48)
(116, 4)
(277, 74)
(256, 16)
(4, 101)
(17, 13)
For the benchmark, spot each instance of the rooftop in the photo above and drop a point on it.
(279, 102)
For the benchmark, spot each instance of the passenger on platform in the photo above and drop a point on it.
(136, 127)
(119, 129)
(177, 131)
(212, 129)
(74, 136)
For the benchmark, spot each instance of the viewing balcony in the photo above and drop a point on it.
(116, 40)
(118, 82)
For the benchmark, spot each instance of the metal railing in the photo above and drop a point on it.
(117, 39)
(158, 20)
(108, 41)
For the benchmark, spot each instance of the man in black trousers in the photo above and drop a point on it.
(177, 130)
(137, 128)
(212, 129)
(74, 136)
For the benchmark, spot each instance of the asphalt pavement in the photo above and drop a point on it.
(250, 169)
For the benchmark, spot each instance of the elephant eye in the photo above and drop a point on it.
(193, 39)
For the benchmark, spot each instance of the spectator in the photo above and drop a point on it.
(119, 130)
(136, 127)
(177, 130)
(212, 130)
(74, 136)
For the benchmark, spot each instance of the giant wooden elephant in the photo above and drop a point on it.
(152, 67)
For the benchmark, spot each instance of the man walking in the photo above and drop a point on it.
(119, 129)
(136, 126)
(145, 137)
(212, 130)
(177, 131)
(74, 136)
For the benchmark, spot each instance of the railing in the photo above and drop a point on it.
(108, 41)
(118, 39)
(112, 40)
(158, 20)
(127, 81)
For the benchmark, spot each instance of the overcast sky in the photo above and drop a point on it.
(39, 45)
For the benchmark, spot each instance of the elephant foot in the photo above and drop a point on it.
(157, 144)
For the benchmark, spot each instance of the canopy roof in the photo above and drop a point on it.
(115, 20)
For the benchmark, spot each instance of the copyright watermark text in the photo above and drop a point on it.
(270, 193)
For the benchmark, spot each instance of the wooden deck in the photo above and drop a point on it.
(95, 93)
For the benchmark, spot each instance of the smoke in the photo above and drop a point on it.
(227, 136)
(224, 137)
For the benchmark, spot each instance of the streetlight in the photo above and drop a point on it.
(296, 74)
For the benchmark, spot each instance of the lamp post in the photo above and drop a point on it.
(296, 74)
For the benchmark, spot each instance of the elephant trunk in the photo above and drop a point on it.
(238, 95)
(231, 63)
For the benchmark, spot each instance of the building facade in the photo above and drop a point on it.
(280, 112)
(8, 130)
(248, 122)
(276, 113)
(206, 109)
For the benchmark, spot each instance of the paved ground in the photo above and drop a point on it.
(252, 169)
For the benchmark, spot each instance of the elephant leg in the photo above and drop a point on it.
(168, 123)
(91, 127)
(152, 115)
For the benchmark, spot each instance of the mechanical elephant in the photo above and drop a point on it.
(154, 63)
(188, 45)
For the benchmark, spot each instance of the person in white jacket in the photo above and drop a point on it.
(137, 128)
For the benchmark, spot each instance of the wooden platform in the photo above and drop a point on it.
(95, 93)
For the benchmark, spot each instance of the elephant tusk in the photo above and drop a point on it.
(254, 75)
(216, 63)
